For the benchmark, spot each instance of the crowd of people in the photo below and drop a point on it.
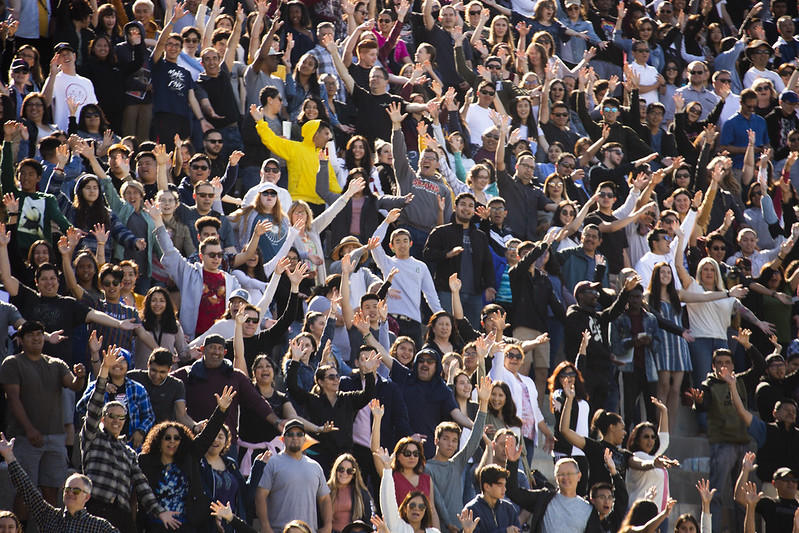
(323, 266)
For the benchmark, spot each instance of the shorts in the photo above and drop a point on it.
(539, 356)
(46, 466)
(68, 405)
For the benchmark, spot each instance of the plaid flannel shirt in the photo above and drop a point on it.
(47, 517)
(140, 411)
(111, 464)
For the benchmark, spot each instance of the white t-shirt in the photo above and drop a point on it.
(709, 320)
(752, 74)
(79, 88)
(477, 120)
(648, 75)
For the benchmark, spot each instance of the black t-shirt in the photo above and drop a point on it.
(445, 57)
(162, 397)
(61, 312)
(613, 243)
(777, 513)
(252, 427)
(360, 75)
(595, 455)
(373, 120)
(219, 92)
(567, 138)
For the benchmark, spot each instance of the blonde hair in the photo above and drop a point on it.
(297, 205)
(719, 283)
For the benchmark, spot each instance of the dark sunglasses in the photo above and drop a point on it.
(560, 115)
(204, 194)
(215, 255)
(171, 438)
(214, 141)
(272, 170)
(91, 115)
(417, 506)
(332, 377)
(293, 434)
(514, 355)
(487, 93)
(200, 167)
(75, 491)
(269, 192)
(607, 195)
(251, 320)
(110, 282)
(410, 453)
(348, 471)
(718, 248)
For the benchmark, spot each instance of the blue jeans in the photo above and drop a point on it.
(250, 177)
(472, 305)
(701, 353)
(725, 463)
(231, 135)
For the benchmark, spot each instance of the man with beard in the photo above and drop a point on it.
(459, 247)
(293, 487)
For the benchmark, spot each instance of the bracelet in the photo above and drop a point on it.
(56, 169)
(728, 293)
(780, 257)
(368, 334)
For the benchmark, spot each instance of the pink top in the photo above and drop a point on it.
(342, 508)
(403, 486)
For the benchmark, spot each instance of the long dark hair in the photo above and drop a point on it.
(50, 253)
(655, 288)
(602, 421)
(401, 445)
(168, 320)
(508, 412)
(86, 215)
(259, 272)
(313, 81)
(635, 434)
(427, 518)
(553, 382)
(111, 58)
(366, 160)
(86, 254)
(532, 127)
(641, 512)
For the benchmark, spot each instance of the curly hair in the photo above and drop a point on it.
(152, 444)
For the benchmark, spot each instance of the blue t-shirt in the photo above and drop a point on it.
(734, 133)
(171, 86)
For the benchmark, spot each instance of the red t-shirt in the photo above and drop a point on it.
(212, 304)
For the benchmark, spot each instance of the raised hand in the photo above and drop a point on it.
(256, 113)
(484, 389)
(454, 283)
(376, 408)
(466, 518)
(395, 113)
(384, 457)
(705, 492)
(228, 393)
(512, 451)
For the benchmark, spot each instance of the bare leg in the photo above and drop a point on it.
(673, 400)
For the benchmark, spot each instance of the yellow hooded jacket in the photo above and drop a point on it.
(302, 160)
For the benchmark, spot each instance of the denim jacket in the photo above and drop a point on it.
(621, 341)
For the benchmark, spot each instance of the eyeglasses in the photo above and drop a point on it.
(434, 158)
(494, 66)
(251, 320)
(671, 68)
(417, 506)
(487, 93)
(474, 13)
(568, 213)
(762, 88)
(567, 165)
(470, 354)
(171, 438)
(696, 72)
(215, 255)
(114, 416)
(666, 238)
(110, 282)
(682, 176)
(561, 115)
(332, 377)
(410, 453)
(647, 436)
(269, 192)
(569, 374)
(669, 221)
(384, 21)
(694, 110)
(174, 45)
(191, 41)
(616, 151)
(271, 170)
(75, 491)
(514, 355)
(294, 434)
(214, 141)
(427, 360)
(204, 194)
(491, 136)
(348, 471)
(608, 497)
(724, 80)
(91, 115)
(607, 195)
(200, 167)
(718, 248)
(610, 109)
(558, 183)
(496, 209)
(761, 52)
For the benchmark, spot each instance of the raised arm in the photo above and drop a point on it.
(10, 283)
(565, 420)
(344, 74)
(178, 13)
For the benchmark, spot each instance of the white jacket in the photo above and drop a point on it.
(388, 504)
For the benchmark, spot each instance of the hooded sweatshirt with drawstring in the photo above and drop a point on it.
(302, 160)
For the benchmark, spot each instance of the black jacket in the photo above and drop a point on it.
(197, 502)
(443, 239)
(579, 320)
(532, 293)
